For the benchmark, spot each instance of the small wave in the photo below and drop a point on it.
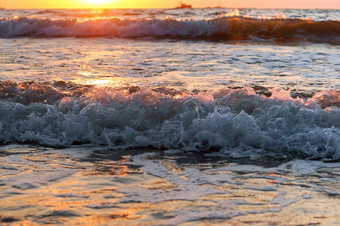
(246, 120)
(221, 29)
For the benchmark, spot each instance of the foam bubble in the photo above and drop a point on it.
(241, 122)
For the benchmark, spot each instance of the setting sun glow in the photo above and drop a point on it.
(98, 2)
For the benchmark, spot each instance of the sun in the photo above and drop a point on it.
(98, 2)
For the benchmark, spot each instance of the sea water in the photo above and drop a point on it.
(169, 116)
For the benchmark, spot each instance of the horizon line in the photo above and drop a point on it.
(211, 7)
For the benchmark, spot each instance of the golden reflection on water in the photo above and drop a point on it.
(90, 77)
(91, 193)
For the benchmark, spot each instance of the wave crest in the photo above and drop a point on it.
(250, 120)
(220, 29)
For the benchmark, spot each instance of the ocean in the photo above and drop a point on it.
(209, 116)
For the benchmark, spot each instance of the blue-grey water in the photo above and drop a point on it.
(169, 117)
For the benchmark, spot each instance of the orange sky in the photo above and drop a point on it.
(328, 4)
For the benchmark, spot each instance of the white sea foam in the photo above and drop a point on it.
(226, 119)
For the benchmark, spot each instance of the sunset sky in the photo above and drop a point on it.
(328, 4)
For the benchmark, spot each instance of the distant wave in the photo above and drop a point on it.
(244, 122)
(221, 29)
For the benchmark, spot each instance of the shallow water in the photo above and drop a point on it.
(98, 186)
(184, 65)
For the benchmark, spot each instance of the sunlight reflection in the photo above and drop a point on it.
(104, 82)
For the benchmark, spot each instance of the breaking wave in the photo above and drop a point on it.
(242, 122)
(220, 29)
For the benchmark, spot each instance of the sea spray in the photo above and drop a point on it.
(132, 117)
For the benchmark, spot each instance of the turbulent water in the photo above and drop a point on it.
(213, 26)
(237, 120)
(191, 99)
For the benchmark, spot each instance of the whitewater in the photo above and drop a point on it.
(169, 116)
